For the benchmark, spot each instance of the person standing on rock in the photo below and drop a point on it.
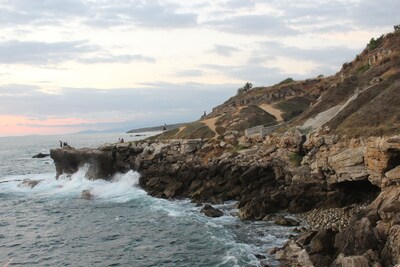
(61, 144)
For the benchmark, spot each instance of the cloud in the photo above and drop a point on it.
(224, 50)
(149, 14)
(117, 59)
(369, 13)
(189, 73)
(252, 25)
(155, 102)
(42, 53)
(239, 4)
(19, 12)
(255, 73)
(145, 13)
(334, 55)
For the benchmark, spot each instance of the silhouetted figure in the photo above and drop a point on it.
(165, 127)
(205, 113)
(60, 143)
(65, 144)
(122, 140)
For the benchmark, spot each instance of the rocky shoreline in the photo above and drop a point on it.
(285, 172)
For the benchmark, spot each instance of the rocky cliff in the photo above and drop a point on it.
(281, 173)
(341, 154)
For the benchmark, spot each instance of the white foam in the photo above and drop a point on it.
(122, 188)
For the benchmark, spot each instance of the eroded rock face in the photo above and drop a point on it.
(101, 164)
(371, 239)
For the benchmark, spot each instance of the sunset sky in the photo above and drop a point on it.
(73, 65)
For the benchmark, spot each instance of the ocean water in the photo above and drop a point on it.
(50, 225)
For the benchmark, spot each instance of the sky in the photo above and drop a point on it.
(73, 65)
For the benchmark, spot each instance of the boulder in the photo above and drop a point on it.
(322, 242)
(357, 238)
(210, 211)
(391, 250)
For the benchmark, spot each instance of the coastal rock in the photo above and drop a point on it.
(286, 221)
(293, 255)
(366, 260)
(86, 194)
(391, 251)
(210, 211)
(357, 238)
(101, 164)
(40, 155)
(30, 183)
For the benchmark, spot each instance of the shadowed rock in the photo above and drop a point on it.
(210, 211)
(40, 155)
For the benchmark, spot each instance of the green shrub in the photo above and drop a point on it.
(363, 68)
(296, 159)
(373, 44)
(286, 81)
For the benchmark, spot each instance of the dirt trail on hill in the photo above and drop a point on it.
(273, 111)
(211, 124)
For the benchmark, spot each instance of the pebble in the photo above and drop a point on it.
(336, 218)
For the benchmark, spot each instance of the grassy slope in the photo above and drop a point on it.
(293, 107)
(245, 118)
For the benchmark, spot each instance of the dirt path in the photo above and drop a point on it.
(211, 124)
(273, 111)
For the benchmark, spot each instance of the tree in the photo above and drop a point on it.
(245, 88)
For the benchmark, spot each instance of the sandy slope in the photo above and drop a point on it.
(211, 124)
(273, 111)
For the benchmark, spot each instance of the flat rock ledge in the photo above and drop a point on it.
(286, 172)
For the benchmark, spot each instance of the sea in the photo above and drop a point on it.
(51, 225)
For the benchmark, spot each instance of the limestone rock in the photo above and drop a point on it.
(391, 251)
(357, 238)
(393, 174)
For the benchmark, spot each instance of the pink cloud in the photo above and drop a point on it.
(20, 125)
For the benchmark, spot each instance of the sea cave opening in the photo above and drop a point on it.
(357, 192)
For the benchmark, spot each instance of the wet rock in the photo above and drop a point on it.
(30, 183)
(210, 211)
(86, 194)
(40, 155)
(286, 221)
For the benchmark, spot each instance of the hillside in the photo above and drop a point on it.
(362, 99)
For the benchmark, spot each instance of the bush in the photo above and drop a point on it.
(286, 81)
(362, 68)
(373, 44)
(245, 88)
